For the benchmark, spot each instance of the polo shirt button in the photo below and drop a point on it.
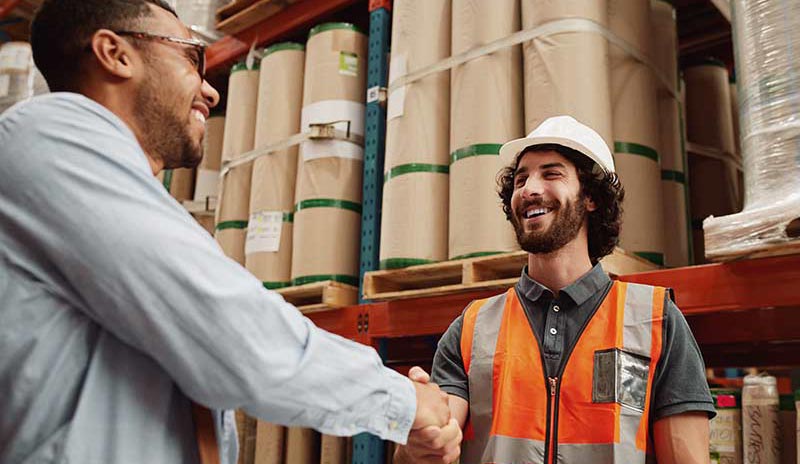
(553, 331)
(556, 309)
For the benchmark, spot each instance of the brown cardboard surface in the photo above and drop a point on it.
(333, 450)
(635, 116)
(708, 107)
(484, 207)
(323, 81)
(302, 446)
(233, 205)
(182, 185)
(207, 221)
(270, 443)
(274, 176)
(232, 243)
(413, 215)
(212, 143)
(414, 218)
(567, 73)
(486, 108)
(676, 246)
(325, 242)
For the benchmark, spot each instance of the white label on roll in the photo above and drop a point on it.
(5, 84)
(206, 184)
(348, 64)
(328, 111)
(316, 149)
(397, 98)
(264, 232)
(16, 57)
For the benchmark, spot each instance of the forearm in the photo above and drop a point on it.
(682, 439)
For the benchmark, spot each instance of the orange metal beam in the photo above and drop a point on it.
(295, 17)
(7, 6)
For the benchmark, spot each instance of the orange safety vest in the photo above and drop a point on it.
(595, 411)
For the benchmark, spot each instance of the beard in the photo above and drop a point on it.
(565, 226)
(167, 136)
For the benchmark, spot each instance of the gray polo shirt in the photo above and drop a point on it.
(679, 382)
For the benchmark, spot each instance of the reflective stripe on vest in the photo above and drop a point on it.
(603, 392)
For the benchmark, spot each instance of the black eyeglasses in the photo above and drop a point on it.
(199, 61)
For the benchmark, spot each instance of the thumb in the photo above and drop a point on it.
(417, 374)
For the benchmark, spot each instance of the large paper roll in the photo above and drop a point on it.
(636, 132)
(270, 443)
(673, 157)
(333, 450)
(328, 195)
(415, 191)
(567, 73)
(761, 421)
(180, 183)
(713, 183)
(207, 181)
(486, 111)
(233, 207)
(302, 446)
(268, 250)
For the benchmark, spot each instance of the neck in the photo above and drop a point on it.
(562, 267)
(124, 109)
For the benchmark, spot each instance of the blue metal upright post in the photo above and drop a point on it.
(369, 449)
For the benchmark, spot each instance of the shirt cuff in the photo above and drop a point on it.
(401, 410)
(689, 406)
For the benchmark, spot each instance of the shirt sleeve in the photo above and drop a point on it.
(100, 231)
(679, 383)
(448, 365)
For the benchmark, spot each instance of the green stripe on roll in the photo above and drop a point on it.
(478, 254)
(399, 263)
(242, 66)
(343, 279)
(288, 217)
(328, 203)
(231, 225)
(675, 176)
(415, 167)
(479, 149)
(279, 47)
(276, 285)
(653, 257)
(332, 27)
(636, 149)
(167, 179)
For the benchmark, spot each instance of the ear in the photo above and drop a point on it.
(114, 54)
(589, 204)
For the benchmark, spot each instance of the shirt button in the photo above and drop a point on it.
(556, 309)
(553, 331)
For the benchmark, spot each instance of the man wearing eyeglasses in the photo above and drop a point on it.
(118, 313)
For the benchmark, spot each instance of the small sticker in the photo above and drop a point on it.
(348, 64)
(398, 67)
(264, 232)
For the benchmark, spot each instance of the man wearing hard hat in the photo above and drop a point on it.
(568, 366)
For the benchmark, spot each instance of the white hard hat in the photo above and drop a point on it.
(567, 132)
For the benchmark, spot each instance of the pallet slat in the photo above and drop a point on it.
(490, 272)
(320, 296)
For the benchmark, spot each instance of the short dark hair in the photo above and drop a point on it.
(603, 188)
(62, 29)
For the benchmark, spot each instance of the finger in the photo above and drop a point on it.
(418, 374)
(452, 454)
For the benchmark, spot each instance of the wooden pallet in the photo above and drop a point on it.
(490, 272)
(320, 296)
(243, 14)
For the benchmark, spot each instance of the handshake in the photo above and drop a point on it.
(435, 436)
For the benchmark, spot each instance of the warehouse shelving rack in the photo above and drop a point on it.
(745, 312)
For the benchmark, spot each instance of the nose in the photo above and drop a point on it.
(210, 94)
(533, 187)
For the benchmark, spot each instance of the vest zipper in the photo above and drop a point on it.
(551, 417)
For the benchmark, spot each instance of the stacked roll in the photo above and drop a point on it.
(636, 132)
(179, 183)
(557, 66)
(268, 247)
(233, 207)
(206, 182)
(302, 446)
(270, 443)
(677, 245)
(415, 191)
(333, 450)
(761, 420)
(486, 111)
(713, 182)
(328, 194)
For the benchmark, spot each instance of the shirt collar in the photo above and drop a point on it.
(579, 291)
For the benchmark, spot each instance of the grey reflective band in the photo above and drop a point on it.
(508, 450)
(481, 367)
(600, 453)
(632, 148)
(637, 328)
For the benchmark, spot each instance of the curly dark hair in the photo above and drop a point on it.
(603, 188)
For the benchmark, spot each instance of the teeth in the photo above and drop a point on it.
(536, 212)
(199, 116)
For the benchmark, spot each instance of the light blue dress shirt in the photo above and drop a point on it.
(117, 310)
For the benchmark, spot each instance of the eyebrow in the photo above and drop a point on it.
(553, 165)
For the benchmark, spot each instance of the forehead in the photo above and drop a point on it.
(532, 160)
(163, 22)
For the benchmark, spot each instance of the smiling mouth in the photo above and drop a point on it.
(536, 212)
(198, 115)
